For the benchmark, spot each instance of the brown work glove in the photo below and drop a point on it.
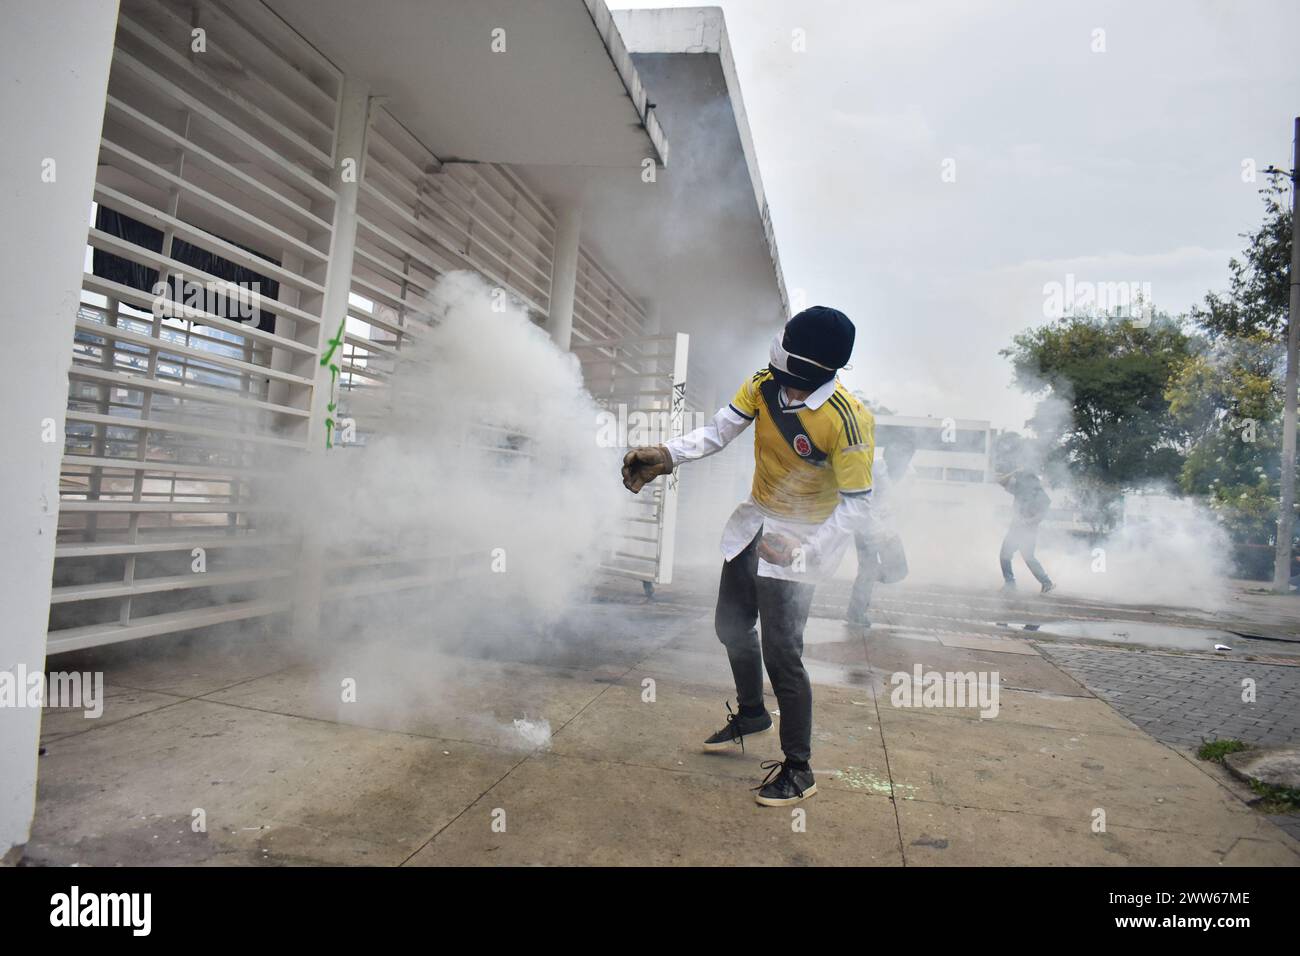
(777, 549)
(644, 465)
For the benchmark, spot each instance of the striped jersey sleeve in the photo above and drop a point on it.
(747, 398)
(855, 445)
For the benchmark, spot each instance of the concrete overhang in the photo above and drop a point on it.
(562, 90)
(696, 245)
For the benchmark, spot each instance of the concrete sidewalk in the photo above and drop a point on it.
(427, 767)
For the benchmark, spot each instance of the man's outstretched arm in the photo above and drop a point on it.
(643, 465)
(708, 439)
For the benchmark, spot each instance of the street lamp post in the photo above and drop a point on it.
(1286, 511)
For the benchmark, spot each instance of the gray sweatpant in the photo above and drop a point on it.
(745, 599)
(1022, 537)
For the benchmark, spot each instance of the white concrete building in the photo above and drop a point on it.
(342, 156)
(947, 449)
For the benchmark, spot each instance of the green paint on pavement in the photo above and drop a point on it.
(860, 778)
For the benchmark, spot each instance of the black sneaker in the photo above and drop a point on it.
(783, 785)
(737, 729)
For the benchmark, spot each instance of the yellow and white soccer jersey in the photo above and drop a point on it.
(812, 470)
(805, 457)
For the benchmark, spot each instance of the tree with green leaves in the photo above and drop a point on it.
(1224, 397)
(1257, 298)
(1229, 397)
(1103, 414)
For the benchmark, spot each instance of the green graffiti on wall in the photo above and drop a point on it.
(327, 359)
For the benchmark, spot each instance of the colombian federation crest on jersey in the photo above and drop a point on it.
(802, 445)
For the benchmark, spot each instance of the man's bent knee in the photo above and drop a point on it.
(732, 632)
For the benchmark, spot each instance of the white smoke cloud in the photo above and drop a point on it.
(479, 481)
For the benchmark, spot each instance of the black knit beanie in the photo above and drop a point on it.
(815, 344)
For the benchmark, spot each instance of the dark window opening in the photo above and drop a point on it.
(128, 273)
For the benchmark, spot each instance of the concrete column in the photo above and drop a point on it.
(53, 79)
(564, 275)
(349, 168)
(350, 145)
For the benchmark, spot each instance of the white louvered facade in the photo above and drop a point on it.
(175, 419)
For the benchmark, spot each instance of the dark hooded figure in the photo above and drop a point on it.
(1030, 507)
(881, 557)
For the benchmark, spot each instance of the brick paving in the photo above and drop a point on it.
(1183, 701)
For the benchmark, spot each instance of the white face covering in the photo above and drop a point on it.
(780, 358)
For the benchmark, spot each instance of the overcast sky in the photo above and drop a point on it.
(1115, 166)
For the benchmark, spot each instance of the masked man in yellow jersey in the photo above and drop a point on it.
(813, 449)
